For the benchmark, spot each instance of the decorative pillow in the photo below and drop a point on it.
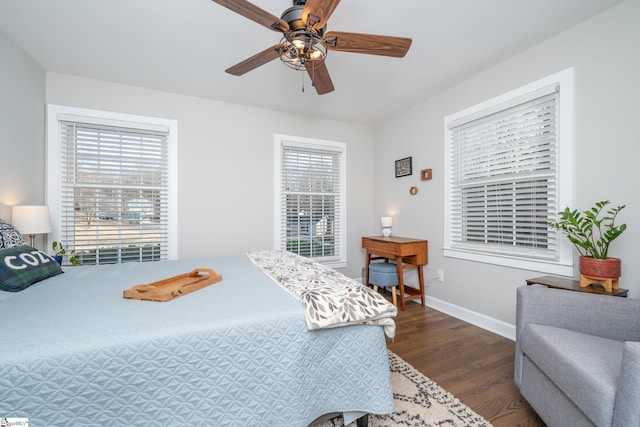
(9, 236)
(22, 266)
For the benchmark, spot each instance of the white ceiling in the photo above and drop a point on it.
(184, 46)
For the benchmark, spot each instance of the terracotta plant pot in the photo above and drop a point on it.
(609, 268)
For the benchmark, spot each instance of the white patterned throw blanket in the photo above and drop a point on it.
(330, 298)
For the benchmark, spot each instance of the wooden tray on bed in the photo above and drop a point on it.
(174, 287)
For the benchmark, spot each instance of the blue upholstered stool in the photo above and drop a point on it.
(384, 274)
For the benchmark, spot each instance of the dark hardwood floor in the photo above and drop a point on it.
(473, 364)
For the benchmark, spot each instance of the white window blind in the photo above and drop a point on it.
(503, 180)
(114, 192)
(311, 198)
(508, 169)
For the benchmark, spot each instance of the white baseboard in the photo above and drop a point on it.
(490, 324)
(496, 326)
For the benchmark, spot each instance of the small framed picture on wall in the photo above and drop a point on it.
(403, 167)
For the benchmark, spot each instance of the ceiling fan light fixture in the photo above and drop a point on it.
(301, 48)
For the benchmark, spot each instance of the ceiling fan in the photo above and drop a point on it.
(305, 42)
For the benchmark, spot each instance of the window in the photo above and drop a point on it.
(508, 172)
(310, 198)
(111, 185)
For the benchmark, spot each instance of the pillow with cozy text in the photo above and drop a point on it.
(22, 266)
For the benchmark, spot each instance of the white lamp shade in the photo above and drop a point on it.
(386, 221)
(31, 219)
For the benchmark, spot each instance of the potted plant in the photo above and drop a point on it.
(592, 234)
(62, 252)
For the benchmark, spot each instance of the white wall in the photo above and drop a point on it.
(21, 121)
(22, 113)
(225, 158)
(605, 53)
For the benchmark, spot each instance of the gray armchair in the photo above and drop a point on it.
(578, 357)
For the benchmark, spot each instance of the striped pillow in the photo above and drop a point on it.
(9, 236)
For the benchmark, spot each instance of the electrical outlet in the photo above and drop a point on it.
(440, 275)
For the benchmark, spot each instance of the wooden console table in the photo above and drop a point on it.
(407, 253)
(574, 285)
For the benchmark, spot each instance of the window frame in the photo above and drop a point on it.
(58, 113)
(340, 259)
(563, 263)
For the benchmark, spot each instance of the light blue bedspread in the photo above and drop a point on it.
(73, 352)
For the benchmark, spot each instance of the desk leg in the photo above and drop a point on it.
(421, 280)
(366, 270)
(400, 281)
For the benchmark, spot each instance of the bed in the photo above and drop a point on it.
(236, 353)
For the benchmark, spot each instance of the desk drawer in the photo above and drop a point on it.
(380, 248)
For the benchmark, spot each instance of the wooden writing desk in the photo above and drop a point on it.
(407, 253)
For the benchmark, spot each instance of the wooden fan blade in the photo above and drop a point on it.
(256, 14)
(370, 44)
(320, 77)
(321, 9)
(255, 61)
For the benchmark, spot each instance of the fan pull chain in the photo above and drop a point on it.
(302, 82)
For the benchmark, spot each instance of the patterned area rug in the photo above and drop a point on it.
(418, 401)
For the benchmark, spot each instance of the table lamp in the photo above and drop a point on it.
(386, 222)
(31, 220)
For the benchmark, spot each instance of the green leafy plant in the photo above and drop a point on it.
(62, 251)
(590, 234)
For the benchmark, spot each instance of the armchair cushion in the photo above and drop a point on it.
(585, 367)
